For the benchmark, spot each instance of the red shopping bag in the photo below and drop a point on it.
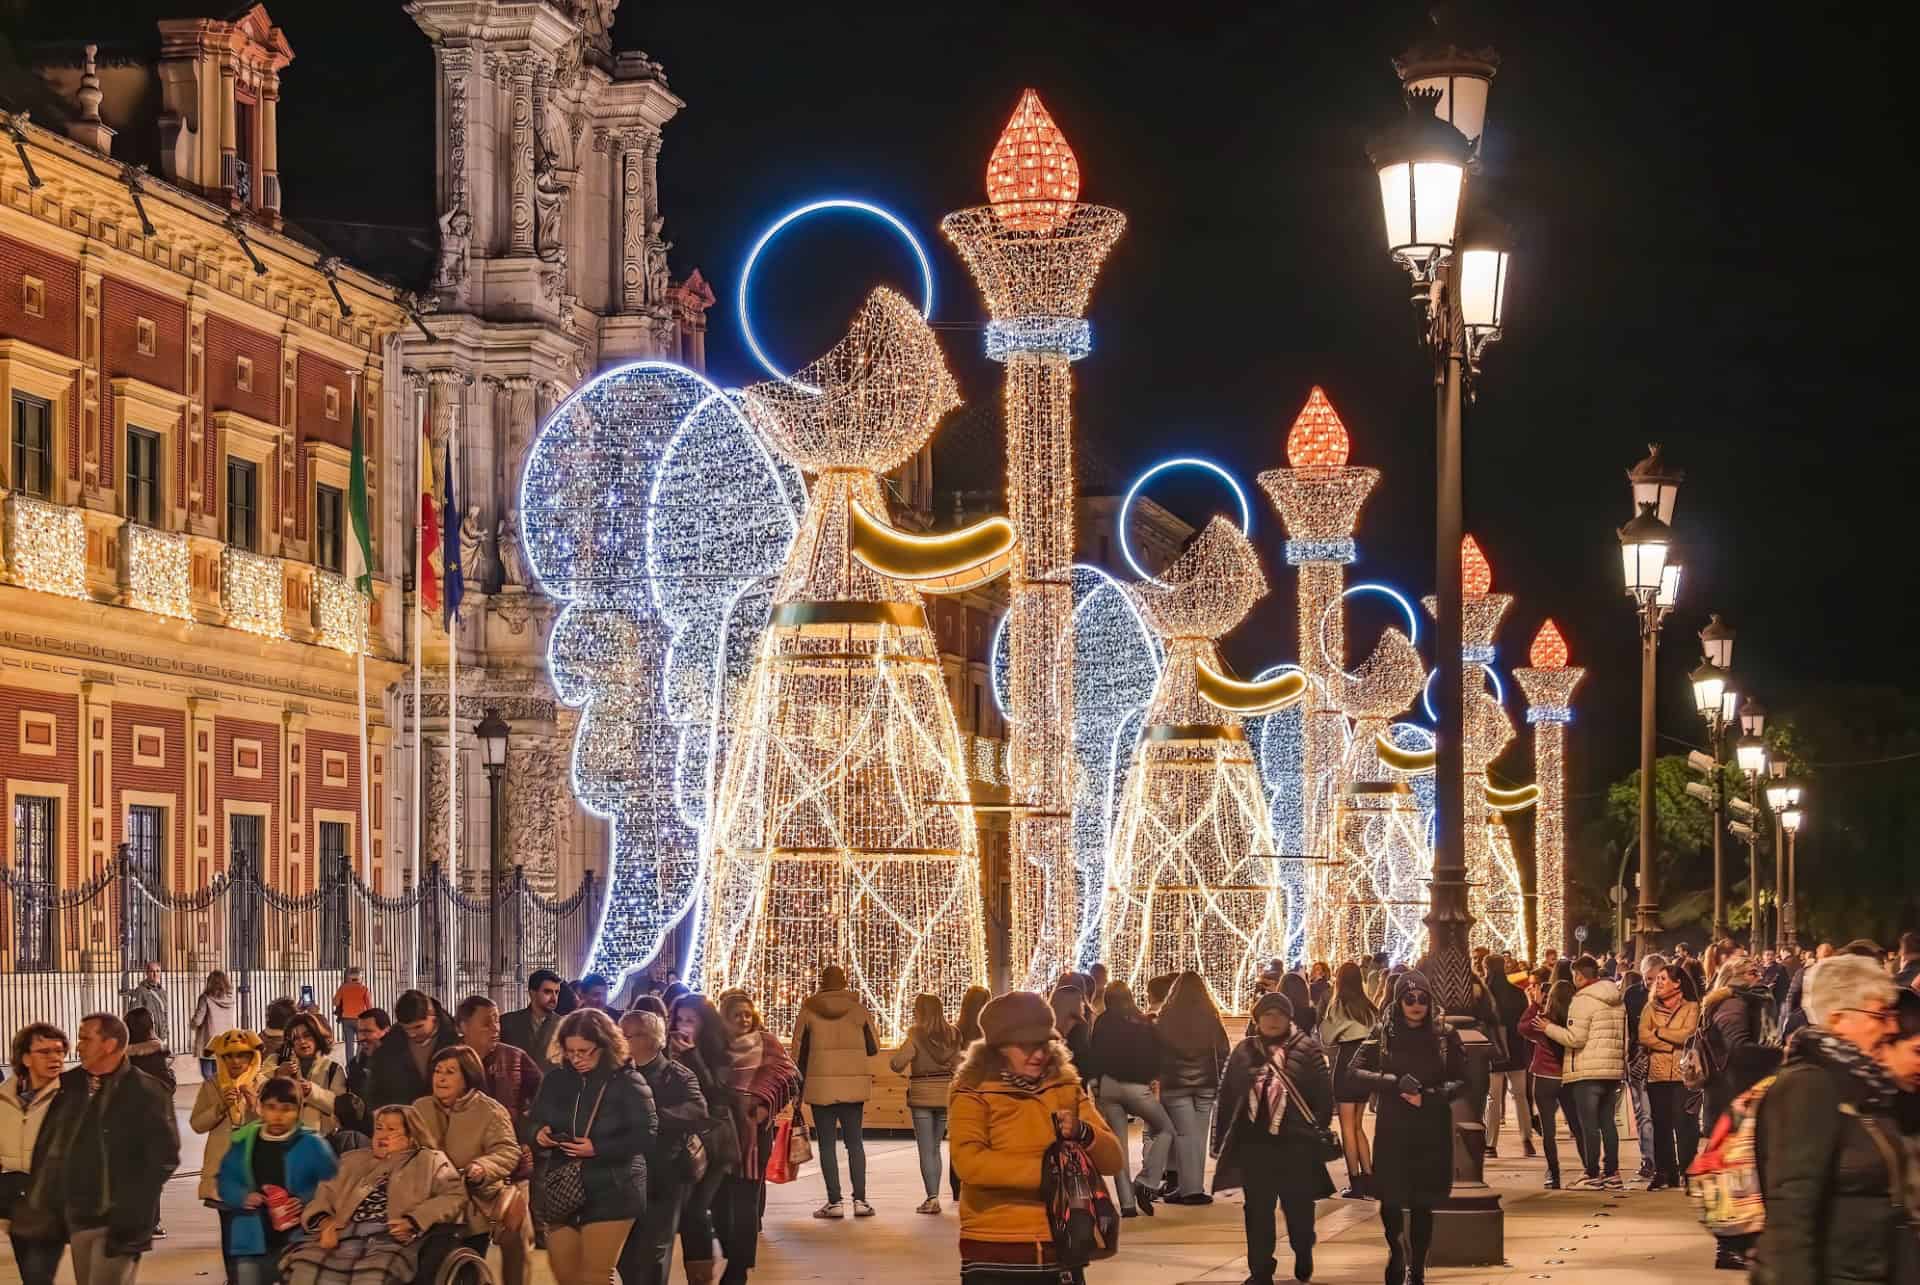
(780, 1166)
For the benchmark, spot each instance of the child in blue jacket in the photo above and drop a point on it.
(271, 1169)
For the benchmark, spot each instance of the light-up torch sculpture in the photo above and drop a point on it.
(1034, 250)
(1548, 682)
(1192, 882)
(842, 830)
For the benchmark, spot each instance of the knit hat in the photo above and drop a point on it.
(1411, 980)
(1273, 1002)
(1018, 1017)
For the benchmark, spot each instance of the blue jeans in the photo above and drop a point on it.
(842, 1119)
(1191, 1113)
(1120, 1098)
(929, 1128)
(38, 1261)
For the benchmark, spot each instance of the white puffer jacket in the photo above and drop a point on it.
(20, 1125)
(1595, 1034)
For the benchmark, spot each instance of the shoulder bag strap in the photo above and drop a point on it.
(1896, 1171)
(591, 1115)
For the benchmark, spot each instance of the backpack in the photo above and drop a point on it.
(1080, 1214)
(1724, 1181)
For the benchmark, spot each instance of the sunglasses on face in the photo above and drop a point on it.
(1412, 998)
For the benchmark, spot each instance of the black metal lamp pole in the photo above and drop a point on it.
(492, 732)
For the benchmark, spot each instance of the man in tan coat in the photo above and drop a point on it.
(833, 1044)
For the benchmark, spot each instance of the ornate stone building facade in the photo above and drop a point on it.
(180, 378)
(552, 265)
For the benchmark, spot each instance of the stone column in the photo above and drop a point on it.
(270, 144)
(229, 74)
(636, 199)
(201, 518)
(96, 492)
(520, 157)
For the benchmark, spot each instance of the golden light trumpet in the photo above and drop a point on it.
(1240, 697)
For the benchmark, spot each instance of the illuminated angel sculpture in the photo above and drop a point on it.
(1193, 883)
(654, 514)
(842, 828)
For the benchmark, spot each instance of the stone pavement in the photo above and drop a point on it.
(1595, 1238)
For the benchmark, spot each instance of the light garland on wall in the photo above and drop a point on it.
(254, 592)
(159, 571)
(841, 832)
(1549, 683)
(48, 547)
(1193, 883)
(342, 612)
(655, 513)
(1034, 251)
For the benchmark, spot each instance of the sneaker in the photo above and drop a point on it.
(931, 1205)
(831, 1209)
(159, 1232)
(1587, 1182)
(1729, 1260)
(1493, 1153)
(1124, 1213)
(1612, 1183)
(1526, 1149)
(1552, 1184)
(1646, 1169)
(861, 1209)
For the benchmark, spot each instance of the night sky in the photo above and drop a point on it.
(1711, 258)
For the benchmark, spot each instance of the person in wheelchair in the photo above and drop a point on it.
(371, 1223)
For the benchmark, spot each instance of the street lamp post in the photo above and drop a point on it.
(1653, 582)
(1713, 701)
(492, 732)
(1790, 821)
(1751, 755)
(1422, 166)
(1778, 791)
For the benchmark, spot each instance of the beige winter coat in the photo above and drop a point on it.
(423, 1187)
(1595, 1035)
(835, 1037)
(209, 1116)
(20, 1125)
(474, 1130)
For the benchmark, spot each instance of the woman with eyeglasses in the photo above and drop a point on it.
(1415, 1065)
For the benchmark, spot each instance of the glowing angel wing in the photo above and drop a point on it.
(656, 515)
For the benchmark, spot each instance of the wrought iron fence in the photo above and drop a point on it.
(67, 952)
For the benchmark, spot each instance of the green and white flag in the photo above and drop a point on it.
(360, 546)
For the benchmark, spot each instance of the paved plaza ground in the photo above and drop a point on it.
(1594, 1238)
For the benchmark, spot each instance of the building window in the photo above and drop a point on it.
(332, 400)
(243, 503)
(145, 337)
(147, 857)
(32, 445)
(329, 506)
(243, 374)
(33, 881)
(33, 296)
(143, 478)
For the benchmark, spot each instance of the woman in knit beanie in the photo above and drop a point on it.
(1015, 1093)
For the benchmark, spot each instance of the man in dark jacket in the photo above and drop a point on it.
(371, 1027)
(1827, 1148)
(531, 1029)
(1737, 1017)
(1507, 1073)
(105, 1151)
(397, 1073)
(681, 1112)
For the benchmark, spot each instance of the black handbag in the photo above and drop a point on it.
(561, 1192)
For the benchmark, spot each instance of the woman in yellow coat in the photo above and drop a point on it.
(1015, 1094)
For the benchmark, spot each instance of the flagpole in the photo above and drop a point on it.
(453, 656)
(364, 618)
(419, 614)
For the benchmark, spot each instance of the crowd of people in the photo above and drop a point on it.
(604, 1137)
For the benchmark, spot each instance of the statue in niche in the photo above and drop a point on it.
(659, 277)
(549, 205)
(473, 541)
(506, 542)
(456, 234)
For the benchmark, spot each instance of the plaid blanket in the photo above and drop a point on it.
(366, 1255)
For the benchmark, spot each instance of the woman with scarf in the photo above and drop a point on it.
(1014, 1094)
(319, 1078)
(213, 1016)
(1667, 1022)
(928, 1055)
(1416, 1066)
(272, 1168)
(1276, 1101)
(764, 1080)
(367, 1222)
(1197, 1050)
(476, 1135)
(1830, 1154)
(1344, 1027)
(229, 1099)
(596, 1109)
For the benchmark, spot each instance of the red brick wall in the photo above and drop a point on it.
(62, 768)
(340, 796)
(122, 304)
(246, 789)
(226, 341)
(58, 330)
(312, 378)
(168, 779)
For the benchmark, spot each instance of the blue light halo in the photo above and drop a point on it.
(1426, 689)
(1183, 461)
(794, 215)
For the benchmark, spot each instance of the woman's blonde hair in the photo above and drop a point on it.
(595, 1027)
(729, 999)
